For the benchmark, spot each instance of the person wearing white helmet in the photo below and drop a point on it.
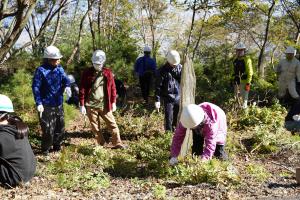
(243, 72)
(167, 88)
(145, 68)
(288, 70)
(17, 161)
(49, 83)
(209, 127)
(73, 99)
(97, 99)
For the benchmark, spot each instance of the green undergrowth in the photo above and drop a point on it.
(257, 130)
(194, 171)
(88, 168)
(137, 121)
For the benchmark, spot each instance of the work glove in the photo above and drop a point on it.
(40, 108)
(296, 118)
(173, 161)
(68, 92)
(82, 110)
(157, 105)
(247, 87)
(114, 107)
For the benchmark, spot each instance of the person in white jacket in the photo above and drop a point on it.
(288, 71)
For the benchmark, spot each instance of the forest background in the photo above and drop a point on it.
(207, 31)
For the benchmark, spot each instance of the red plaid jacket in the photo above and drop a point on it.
(87, 80)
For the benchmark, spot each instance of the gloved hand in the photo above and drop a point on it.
(40, 108)
(82, 110)
(296, 118)
(68, 91)
(114, 107)
(157, 105)
(173, 161)
(247, 87)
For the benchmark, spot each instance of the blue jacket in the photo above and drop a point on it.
(49, 84)
(168, 83)
(144, 64)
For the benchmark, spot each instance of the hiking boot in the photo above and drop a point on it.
(57, 148)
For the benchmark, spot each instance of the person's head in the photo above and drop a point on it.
(173, 58)
(7, 117)
(192, 115)
(71, 78)
(240, 49)
(147, 50)
(98, 59)
(52, 55)
(290, 53)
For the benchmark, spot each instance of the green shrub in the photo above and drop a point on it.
(81, 167)
(159, 191)
(254, 116)
(138, 122)
(257, 172)
(195, 171)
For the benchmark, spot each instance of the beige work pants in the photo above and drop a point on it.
(94, 115)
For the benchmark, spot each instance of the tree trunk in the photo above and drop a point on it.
(191, 29)
(188, 89)
(297, 37)
(261, 58)
(90, 6)
(99, 23)
(57, 27)
(22, 17)
(200, 36)
(77, 45)
(45, 24)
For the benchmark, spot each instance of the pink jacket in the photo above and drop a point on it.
(214, 131)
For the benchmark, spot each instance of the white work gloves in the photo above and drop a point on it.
(68, 91)
(173, 161)
(114, 107)
(296, 118)
(40, 109)
(82, 110)
(157, 105)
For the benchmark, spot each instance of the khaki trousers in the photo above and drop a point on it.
(94, 115)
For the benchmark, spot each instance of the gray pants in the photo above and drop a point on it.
(53, 127)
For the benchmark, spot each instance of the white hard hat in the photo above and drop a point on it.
(99, 57)
(173, 57)
(6, 104)
(192, 115)
(52, 52)
(240, 45)
(71, 78)
(290, 50)
(147, 49)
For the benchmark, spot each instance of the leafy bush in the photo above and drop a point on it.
(138, 122)
(254, 116)
(159, 191)
(81, 168)
(18, 88)
(257, 172)
(194, 171)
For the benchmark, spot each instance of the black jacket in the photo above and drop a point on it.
(168, 83)
(17, 161)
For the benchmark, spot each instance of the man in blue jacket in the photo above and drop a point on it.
(167, 88)
(48, 86)
(145, 67)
